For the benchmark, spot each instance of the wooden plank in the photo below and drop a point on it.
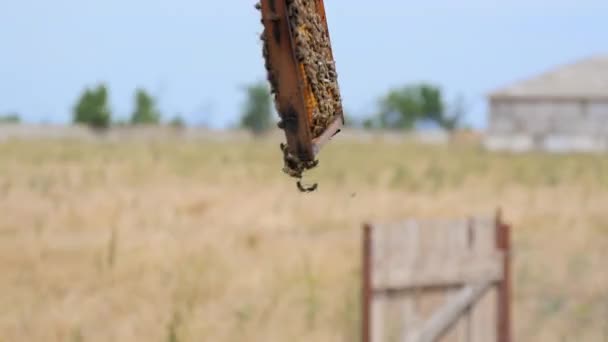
(411, 318)
(458, 241)
(447, 316)
(458, 332)
(285, 78)
(378, 308)
(366, 289)
(484, 318)
(417, 254)
(463, 270)
(411, 304)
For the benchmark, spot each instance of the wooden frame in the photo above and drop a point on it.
(292, 96)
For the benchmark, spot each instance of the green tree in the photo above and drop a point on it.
(371, 123)
(431, 104)
(403, 107)
(457, 111)
(92, 108)
(11, 118)
(145, 109)
(257, 110)
(177, 122)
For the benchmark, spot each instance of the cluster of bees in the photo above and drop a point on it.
(269, 73)
(312, 50)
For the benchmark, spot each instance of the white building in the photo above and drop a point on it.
(562, 110)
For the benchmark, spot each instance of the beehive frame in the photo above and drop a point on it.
(292, 92)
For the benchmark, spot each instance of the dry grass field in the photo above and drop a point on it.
(208, 241)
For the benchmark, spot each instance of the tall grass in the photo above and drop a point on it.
(216, 244)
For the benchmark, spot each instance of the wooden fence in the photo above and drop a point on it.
(436, 281)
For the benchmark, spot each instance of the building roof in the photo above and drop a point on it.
(583, 79)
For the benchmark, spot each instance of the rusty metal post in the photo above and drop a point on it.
(366, 284)
(503, 243)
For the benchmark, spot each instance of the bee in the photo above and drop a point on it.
(294, 168)
(308, 188)
(292, 165)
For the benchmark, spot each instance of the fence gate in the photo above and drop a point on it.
(442, 281)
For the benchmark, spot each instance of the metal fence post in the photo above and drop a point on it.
(366, 286)
(503, 243)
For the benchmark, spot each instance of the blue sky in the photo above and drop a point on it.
(196, 54)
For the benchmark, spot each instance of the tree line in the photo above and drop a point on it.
(93, 109)
(402, 108)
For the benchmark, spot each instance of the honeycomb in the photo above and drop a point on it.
(314, 55)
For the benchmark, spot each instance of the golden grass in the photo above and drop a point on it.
(207, 241)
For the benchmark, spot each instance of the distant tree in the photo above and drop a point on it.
(457, 110)
(257, 110)
(121, 122)
(92, 108)
(12, 118)
(403, 107)
(400, 108)
(432, 107)
(371, 123)
(177, 122)
(145, 111)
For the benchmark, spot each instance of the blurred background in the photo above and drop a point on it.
(141, 192)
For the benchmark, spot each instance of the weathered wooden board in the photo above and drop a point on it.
(419, 267)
